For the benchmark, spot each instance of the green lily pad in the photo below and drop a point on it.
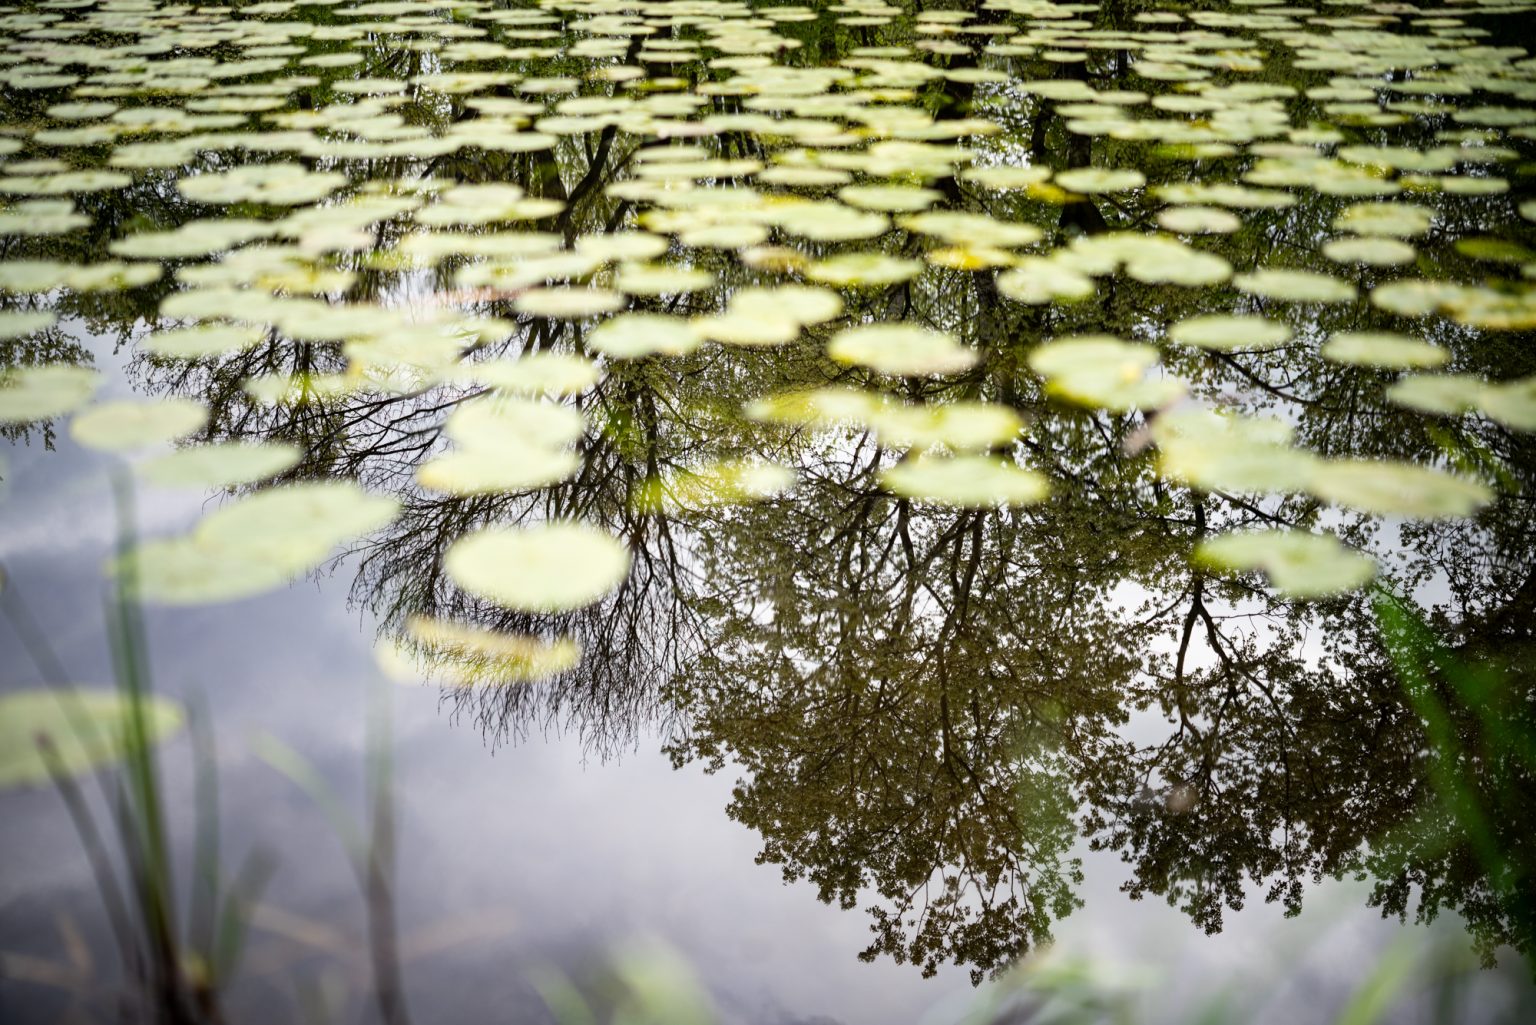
(636, 335)
(44, 391)
(1224, 332)
(1301, 286)
(905, 349)
(1101, 371)
(1397, 489)
(1199, 220)
(84, 730)
(1383, 349)
(20, 323)
(121, 425)
(222, 464)
(969, 482)
(459, 655)
(1298, 564)
(553, 567)
(1371, 250)
(1094, 180)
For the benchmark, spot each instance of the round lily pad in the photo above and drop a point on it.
(971, 482)
(1227, 332)
(554, 567)
(1383, 349)
(905, 349)
(1298, 564)
(46, 390)
(222, 464)
(121, 425)
(44, 732)
(635, 335)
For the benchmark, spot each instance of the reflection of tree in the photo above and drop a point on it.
(907, 693)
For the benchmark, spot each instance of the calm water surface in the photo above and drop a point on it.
(852, 495)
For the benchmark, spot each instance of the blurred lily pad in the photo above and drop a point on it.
(1298, 564)
(553, 567)
(81, 728)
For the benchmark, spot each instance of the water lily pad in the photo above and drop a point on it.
(568, 303)
(1003, 177)
(971, 482)
(553, 567)
(1397, 489)
(502, 470)
(1511, 403)
(636, 335)
(889, 198)
(1438, 393)
(1226, 332)
(905, 349)
(82, 729)
(1298, 564)
(461, 655)
(1094, 180)
(20, 323)
(864, 270)
(539, 373)
(1217, 451)
(1038, 281)
(121, 425)
(1383, 349)
(222, 464)
(1199, 220)
(1398, 220)
(1301, 286)
(719, 483)
(1373, 251)
(1098, 370)
(202, 340)
(46, 390)
(277, 184)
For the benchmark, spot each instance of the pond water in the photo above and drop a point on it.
(825, 501)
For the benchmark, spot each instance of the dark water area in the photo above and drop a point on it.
(767, 513)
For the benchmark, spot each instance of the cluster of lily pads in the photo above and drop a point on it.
(770, 187)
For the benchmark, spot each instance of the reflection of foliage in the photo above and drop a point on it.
(905, 717)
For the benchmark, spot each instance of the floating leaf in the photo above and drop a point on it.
(83, 729)
(469, 656)
(1298, 564)
(1383, 349)
(122, 425)
(905, 349)
(1438, 393)
(554, 567)
(635, 335)
(863, 270)
(1097, 370)
(1397, 489)
(1093, 180)
(20, 323)
(720, 483)
(971, 482)
(1300, 286)
(1199, 220)
(1369, 250)
(222, 464)
(46, 390)
(1224, 332)
(203, 340)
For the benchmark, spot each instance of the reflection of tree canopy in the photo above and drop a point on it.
(927, 705)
